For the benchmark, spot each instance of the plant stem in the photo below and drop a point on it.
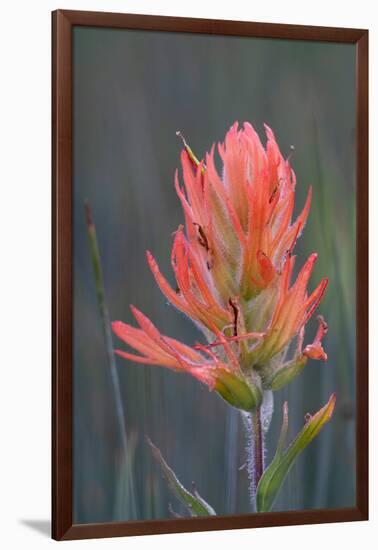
(255, 450)
(258, 446)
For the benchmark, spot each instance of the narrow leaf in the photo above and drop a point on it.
(274, 476)
(108, 339)
(195, 504)
(283, 433)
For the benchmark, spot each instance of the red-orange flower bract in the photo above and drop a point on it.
(233, 264)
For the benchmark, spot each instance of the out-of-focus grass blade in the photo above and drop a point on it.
(275, 474)
(195, 504)
(104, 314)
(124, 507)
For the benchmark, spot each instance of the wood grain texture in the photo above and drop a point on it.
(62, 297)
(362, 276)
(61, 277)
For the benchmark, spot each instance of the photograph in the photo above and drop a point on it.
(188, 225)
(214, 275)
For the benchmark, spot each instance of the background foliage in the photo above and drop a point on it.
(132, 91)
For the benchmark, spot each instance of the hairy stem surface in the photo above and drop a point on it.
(255, 450)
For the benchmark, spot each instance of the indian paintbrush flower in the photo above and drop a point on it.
(233, 264)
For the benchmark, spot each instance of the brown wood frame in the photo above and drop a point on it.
(62, 466)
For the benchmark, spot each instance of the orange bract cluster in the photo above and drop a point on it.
(233, 266)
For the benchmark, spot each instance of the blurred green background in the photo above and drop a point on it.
(132, 91)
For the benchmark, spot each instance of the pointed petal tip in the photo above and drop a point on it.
(140, 317)
(269, 132)
(329, 407)
(131, 356)
(311, 261)
(248, 128)
(151, 260)
(117, 327)
(331, 404)
(135, 311)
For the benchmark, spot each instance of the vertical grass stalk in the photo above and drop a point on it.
(104, 314)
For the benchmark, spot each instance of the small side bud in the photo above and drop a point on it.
(237, 392)
(286, 373)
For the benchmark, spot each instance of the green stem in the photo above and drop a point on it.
(258, 450)
(255, 450)
(96, 263)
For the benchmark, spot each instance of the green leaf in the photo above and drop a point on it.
(274, 476)
(195, 504)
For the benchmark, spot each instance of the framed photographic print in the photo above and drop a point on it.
(210, 252)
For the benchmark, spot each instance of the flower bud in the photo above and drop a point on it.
(286, 373)
(237, 392)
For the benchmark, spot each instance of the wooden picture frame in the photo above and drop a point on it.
(63, 23)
